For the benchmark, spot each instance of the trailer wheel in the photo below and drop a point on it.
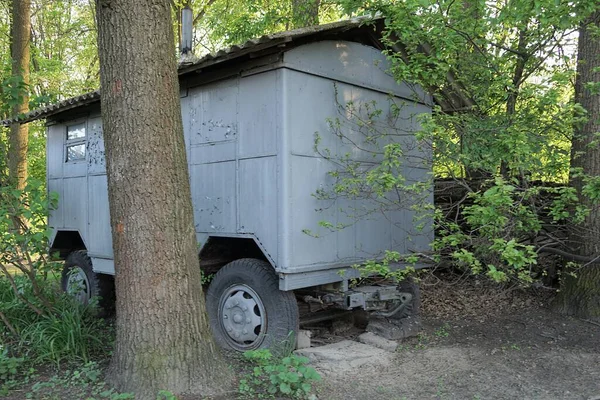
(80, 281)
(248, 311)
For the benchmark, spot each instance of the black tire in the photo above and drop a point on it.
(414, 307)
(80, 280)
(244, 299)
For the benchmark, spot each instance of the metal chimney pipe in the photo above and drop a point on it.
(186, 30)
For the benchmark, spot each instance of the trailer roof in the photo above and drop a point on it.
(357, 29)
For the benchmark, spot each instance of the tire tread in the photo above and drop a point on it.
(286, 307)
(100, 285)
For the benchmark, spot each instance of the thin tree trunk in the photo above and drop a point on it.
(513, 93)
(305, 13)
(19, 133)
(581, 295)
(163, 337)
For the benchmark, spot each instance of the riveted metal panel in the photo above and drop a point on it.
(103, 265)
(343, 109)
(312, 244)
(257, 119)
(311, 106)
(99, 237)
(346, 235)
(212, 152)
(96, 159)
(74, 204)
(326, 274)
(75, 169)
(213, 112)
(370, 120)
(54, 149)
(56, 218)
(214, 196)
(339, 112)
(258, 201)
(351, 62)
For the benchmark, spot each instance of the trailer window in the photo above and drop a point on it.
(75, 144)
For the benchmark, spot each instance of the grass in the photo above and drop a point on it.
(72, 333)
(443, 331)
(55, 330)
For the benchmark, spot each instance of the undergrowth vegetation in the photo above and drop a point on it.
(271, 377)
(39, 324)
(68, 331)
(84, 381)
(53, 347)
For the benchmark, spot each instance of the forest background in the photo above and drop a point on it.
(515, 130)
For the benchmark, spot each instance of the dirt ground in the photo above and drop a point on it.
(476, 342)
(479, 343)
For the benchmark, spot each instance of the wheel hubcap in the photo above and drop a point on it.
(243, 317)
(78, 285)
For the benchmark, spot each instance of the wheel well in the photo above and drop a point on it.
(219, 251)
(66, 242)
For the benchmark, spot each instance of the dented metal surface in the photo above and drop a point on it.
(250, 141)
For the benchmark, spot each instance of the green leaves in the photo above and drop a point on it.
(495, 275)
(563, 203)
(24, 233)
(13, 90)
(467, 259)
(496, 223)
(9, 366)
(591, 188)
(479, 59)
(288, 376)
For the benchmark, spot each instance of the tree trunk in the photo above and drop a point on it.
(19, 133)
(581, 295)
(513, 96)
(163, 336)
(305, 13)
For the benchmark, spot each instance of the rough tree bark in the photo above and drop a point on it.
(19, 133)
(580, 295)
(163, 336)
(305, 13)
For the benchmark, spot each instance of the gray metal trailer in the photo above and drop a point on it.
(250, 115)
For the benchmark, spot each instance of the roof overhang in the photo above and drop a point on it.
(365, 30)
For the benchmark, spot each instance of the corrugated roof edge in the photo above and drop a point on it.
(73, 102)
(209, 59)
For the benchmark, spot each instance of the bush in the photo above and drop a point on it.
(36, 317)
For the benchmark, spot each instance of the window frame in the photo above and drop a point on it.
(75, 142)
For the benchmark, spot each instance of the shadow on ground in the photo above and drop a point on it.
(481, 344)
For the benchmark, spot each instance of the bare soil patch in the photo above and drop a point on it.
(481, 343)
